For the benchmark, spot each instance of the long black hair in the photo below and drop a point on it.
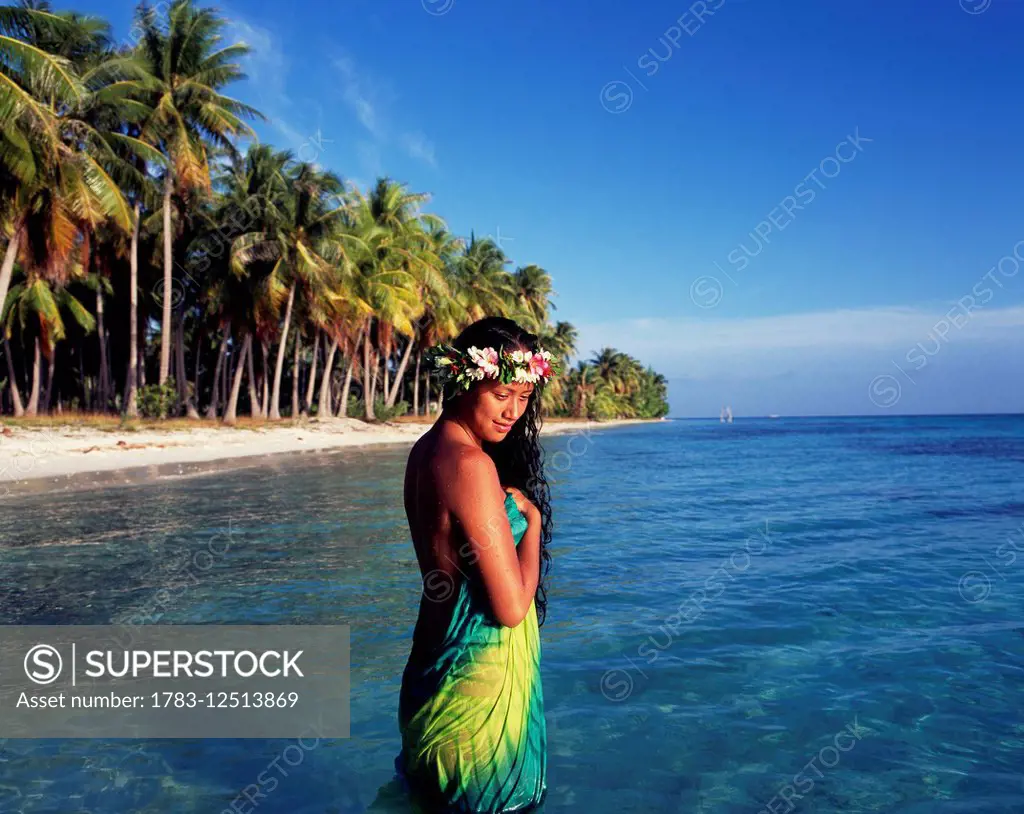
(519, 457)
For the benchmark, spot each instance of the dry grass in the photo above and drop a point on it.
(112, 423)
(104, 422)
(415, 419)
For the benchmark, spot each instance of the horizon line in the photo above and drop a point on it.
(852, 415)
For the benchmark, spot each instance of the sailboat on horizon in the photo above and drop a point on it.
(725, 417)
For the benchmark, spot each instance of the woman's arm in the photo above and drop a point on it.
(472, 492)
(529, 553)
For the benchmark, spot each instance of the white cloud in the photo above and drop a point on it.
(368, 99)
(267, 68)
(266, 64)
(357, 93)
(418, 146)
(765, 346)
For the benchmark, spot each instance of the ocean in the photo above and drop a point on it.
(797, 614)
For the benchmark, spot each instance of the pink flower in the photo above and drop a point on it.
(539, 366)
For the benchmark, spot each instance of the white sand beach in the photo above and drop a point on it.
(37, 455)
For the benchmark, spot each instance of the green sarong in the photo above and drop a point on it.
(472, 717)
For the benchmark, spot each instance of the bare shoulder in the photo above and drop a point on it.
(457, 470)
(463, 468)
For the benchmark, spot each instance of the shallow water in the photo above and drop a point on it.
(823, 615)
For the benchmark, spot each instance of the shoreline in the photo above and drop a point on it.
(63, 456)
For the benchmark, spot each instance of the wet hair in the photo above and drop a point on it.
(519, 457)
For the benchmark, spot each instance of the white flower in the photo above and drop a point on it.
(486, 360)
(545, 355)
(517, 356)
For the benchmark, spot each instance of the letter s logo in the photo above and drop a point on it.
(43, 664)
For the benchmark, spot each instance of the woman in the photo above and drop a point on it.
(471, 711)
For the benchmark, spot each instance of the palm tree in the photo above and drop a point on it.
(397, 263)
(35, 305)
(613, 367)
(110, 77)
(485, 287)
(443, 311)
(187, 69)
(99, 282)
(69, 156)
(560, 341)
(532, 288)
(582, 385)
(300, 237)
(246, 289)
(47, 153)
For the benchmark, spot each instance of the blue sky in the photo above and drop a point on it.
(674, 167)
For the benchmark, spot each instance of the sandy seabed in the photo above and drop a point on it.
(60, 457)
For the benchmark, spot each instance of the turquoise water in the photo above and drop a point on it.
(816, 615)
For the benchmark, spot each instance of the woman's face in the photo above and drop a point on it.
(493, 408)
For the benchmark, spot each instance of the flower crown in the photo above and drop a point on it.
(467, 367)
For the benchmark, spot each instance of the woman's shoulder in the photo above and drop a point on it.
(451, 462)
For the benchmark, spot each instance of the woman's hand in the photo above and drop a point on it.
(523, 503)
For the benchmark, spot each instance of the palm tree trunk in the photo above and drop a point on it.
(51, 366)
(168, 292)
(183, 395)
(265, 379)
(416, 386)
(33, 399)
(211, 411)
(308, 403)
(101, 334)
(225, 380)
(387, 357)
(275, 412)
(343, 407)
(367, 395)
(255, 408)
(89, 386)
(195, 368)
(7, 269)
(393, 395)
(131, 409)
(323, 409)
(426, 392)
(19, 410)
(296, 362)
(231, 413)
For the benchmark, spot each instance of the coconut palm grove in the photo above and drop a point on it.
(158, 260)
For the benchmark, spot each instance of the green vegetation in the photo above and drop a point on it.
(142, 243)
